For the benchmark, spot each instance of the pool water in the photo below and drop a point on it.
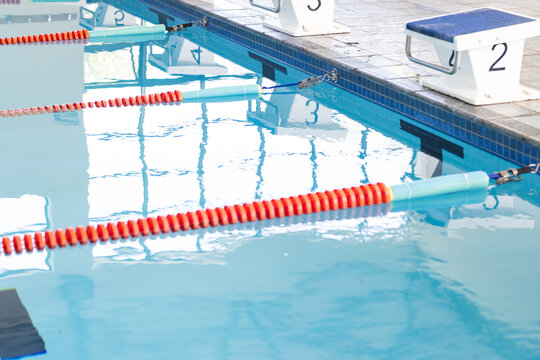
(454, 277)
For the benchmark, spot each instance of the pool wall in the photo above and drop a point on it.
(502, 137)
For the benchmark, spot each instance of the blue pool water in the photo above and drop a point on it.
(449, 278)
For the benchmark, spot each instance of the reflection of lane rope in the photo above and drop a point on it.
(152, 99)
(364, 195)
(10, 2)
(66, 37)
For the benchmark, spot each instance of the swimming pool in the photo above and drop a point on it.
(454, 277)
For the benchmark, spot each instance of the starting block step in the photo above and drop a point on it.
(480, 52)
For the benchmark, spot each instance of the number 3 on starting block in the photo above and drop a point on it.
(303, 17)
(480, 52)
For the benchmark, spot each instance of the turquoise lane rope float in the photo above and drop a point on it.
(441, 185)
(240, 91)
(153, 32)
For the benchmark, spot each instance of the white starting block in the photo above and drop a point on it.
(183, 57)
(480, 51)
(106, 16)
(303, 17)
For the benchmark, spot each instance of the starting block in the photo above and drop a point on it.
(303, 17)
(480, 52)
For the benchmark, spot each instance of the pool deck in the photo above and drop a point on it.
(376, 43)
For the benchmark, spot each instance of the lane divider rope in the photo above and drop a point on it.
(78, 36)
(122, 33)
(359, 196)
(152, 99)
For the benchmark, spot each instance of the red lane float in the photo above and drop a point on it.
(159, 98)
(248, 212)
(78, 36)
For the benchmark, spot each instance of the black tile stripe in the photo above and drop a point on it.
(432, 144)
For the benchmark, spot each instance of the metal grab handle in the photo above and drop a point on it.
(274, 10)
(449, 71)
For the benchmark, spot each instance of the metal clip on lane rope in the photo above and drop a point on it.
(316, 80)
(179, 27)
(513, 174)
(508, 176)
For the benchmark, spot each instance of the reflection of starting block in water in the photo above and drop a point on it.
(294, 114)
(303, 17)
(480, 52)
(106, 16)
(182, 57)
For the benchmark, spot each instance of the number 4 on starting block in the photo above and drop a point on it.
(480, 52)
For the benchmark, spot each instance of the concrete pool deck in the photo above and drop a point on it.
(376, 43)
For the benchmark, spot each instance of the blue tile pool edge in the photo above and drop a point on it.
(370, 84)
